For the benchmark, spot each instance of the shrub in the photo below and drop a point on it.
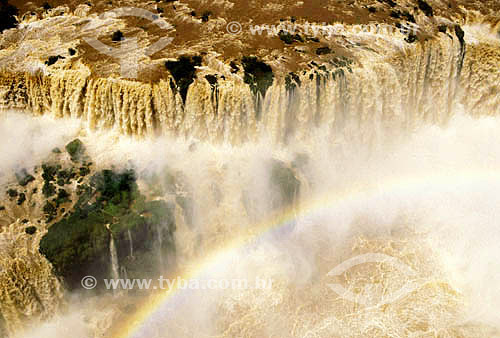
(76, 150)
(425, 7)
(53, 59)
(117, 36)
(30, 230)
(258, 75)
(24, 178)
(21, 199)
(323, 51)
(12, 193)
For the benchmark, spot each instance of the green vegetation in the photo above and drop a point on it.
(117, 36)
(49, 172)
(76, 243)
(426, 8)
(65, 176)
(292, 81)
(206, 16)
(84, 171)
(24, 178)
(289, 38)
(12, 193)
(48, 189)
(62, 197)
(50, 211)
(258, 75)
(76, 150)
(323, 51)
(79, 244)
(30, 230)
(21, 199)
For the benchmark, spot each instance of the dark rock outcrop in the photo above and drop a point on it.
(184, 72)
(284, 181)
(7, 13)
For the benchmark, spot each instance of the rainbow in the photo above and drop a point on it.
(133, 327)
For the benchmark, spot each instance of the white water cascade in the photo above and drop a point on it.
(115, 267)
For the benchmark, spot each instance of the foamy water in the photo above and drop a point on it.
(429, 200)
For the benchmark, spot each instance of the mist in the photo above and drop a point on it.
(429, 199)
(25, 141)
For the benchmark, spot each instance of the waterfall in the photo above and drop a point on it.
(389, 87)
(131, 244)
(28, 285)
(385, 84)
(115, 268)
(160, 247)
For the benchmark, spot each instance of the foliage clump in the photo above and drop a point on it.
(31, 230)
(110, 205)
(426, 8)
(76, 150)
(117, 36)
(12, 193)
(53, 59)
(292, 81)
(258, 75)
(323, 50)
(21, 199)
(24, 178)
(289, 38)
(48, 189)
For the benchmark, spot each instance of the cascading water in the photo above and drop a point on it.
(388, 87)
(390, 150)
(131, 242)
(160, 247)
(113, 255)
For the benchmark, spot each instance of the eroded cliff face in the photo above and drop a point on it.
(66, 219)
(373, 77)
(30, 292)
(395, 85)
(362, 83)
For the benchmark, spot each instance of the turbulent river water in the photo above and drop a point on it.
(391, 228)
(428, 199)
